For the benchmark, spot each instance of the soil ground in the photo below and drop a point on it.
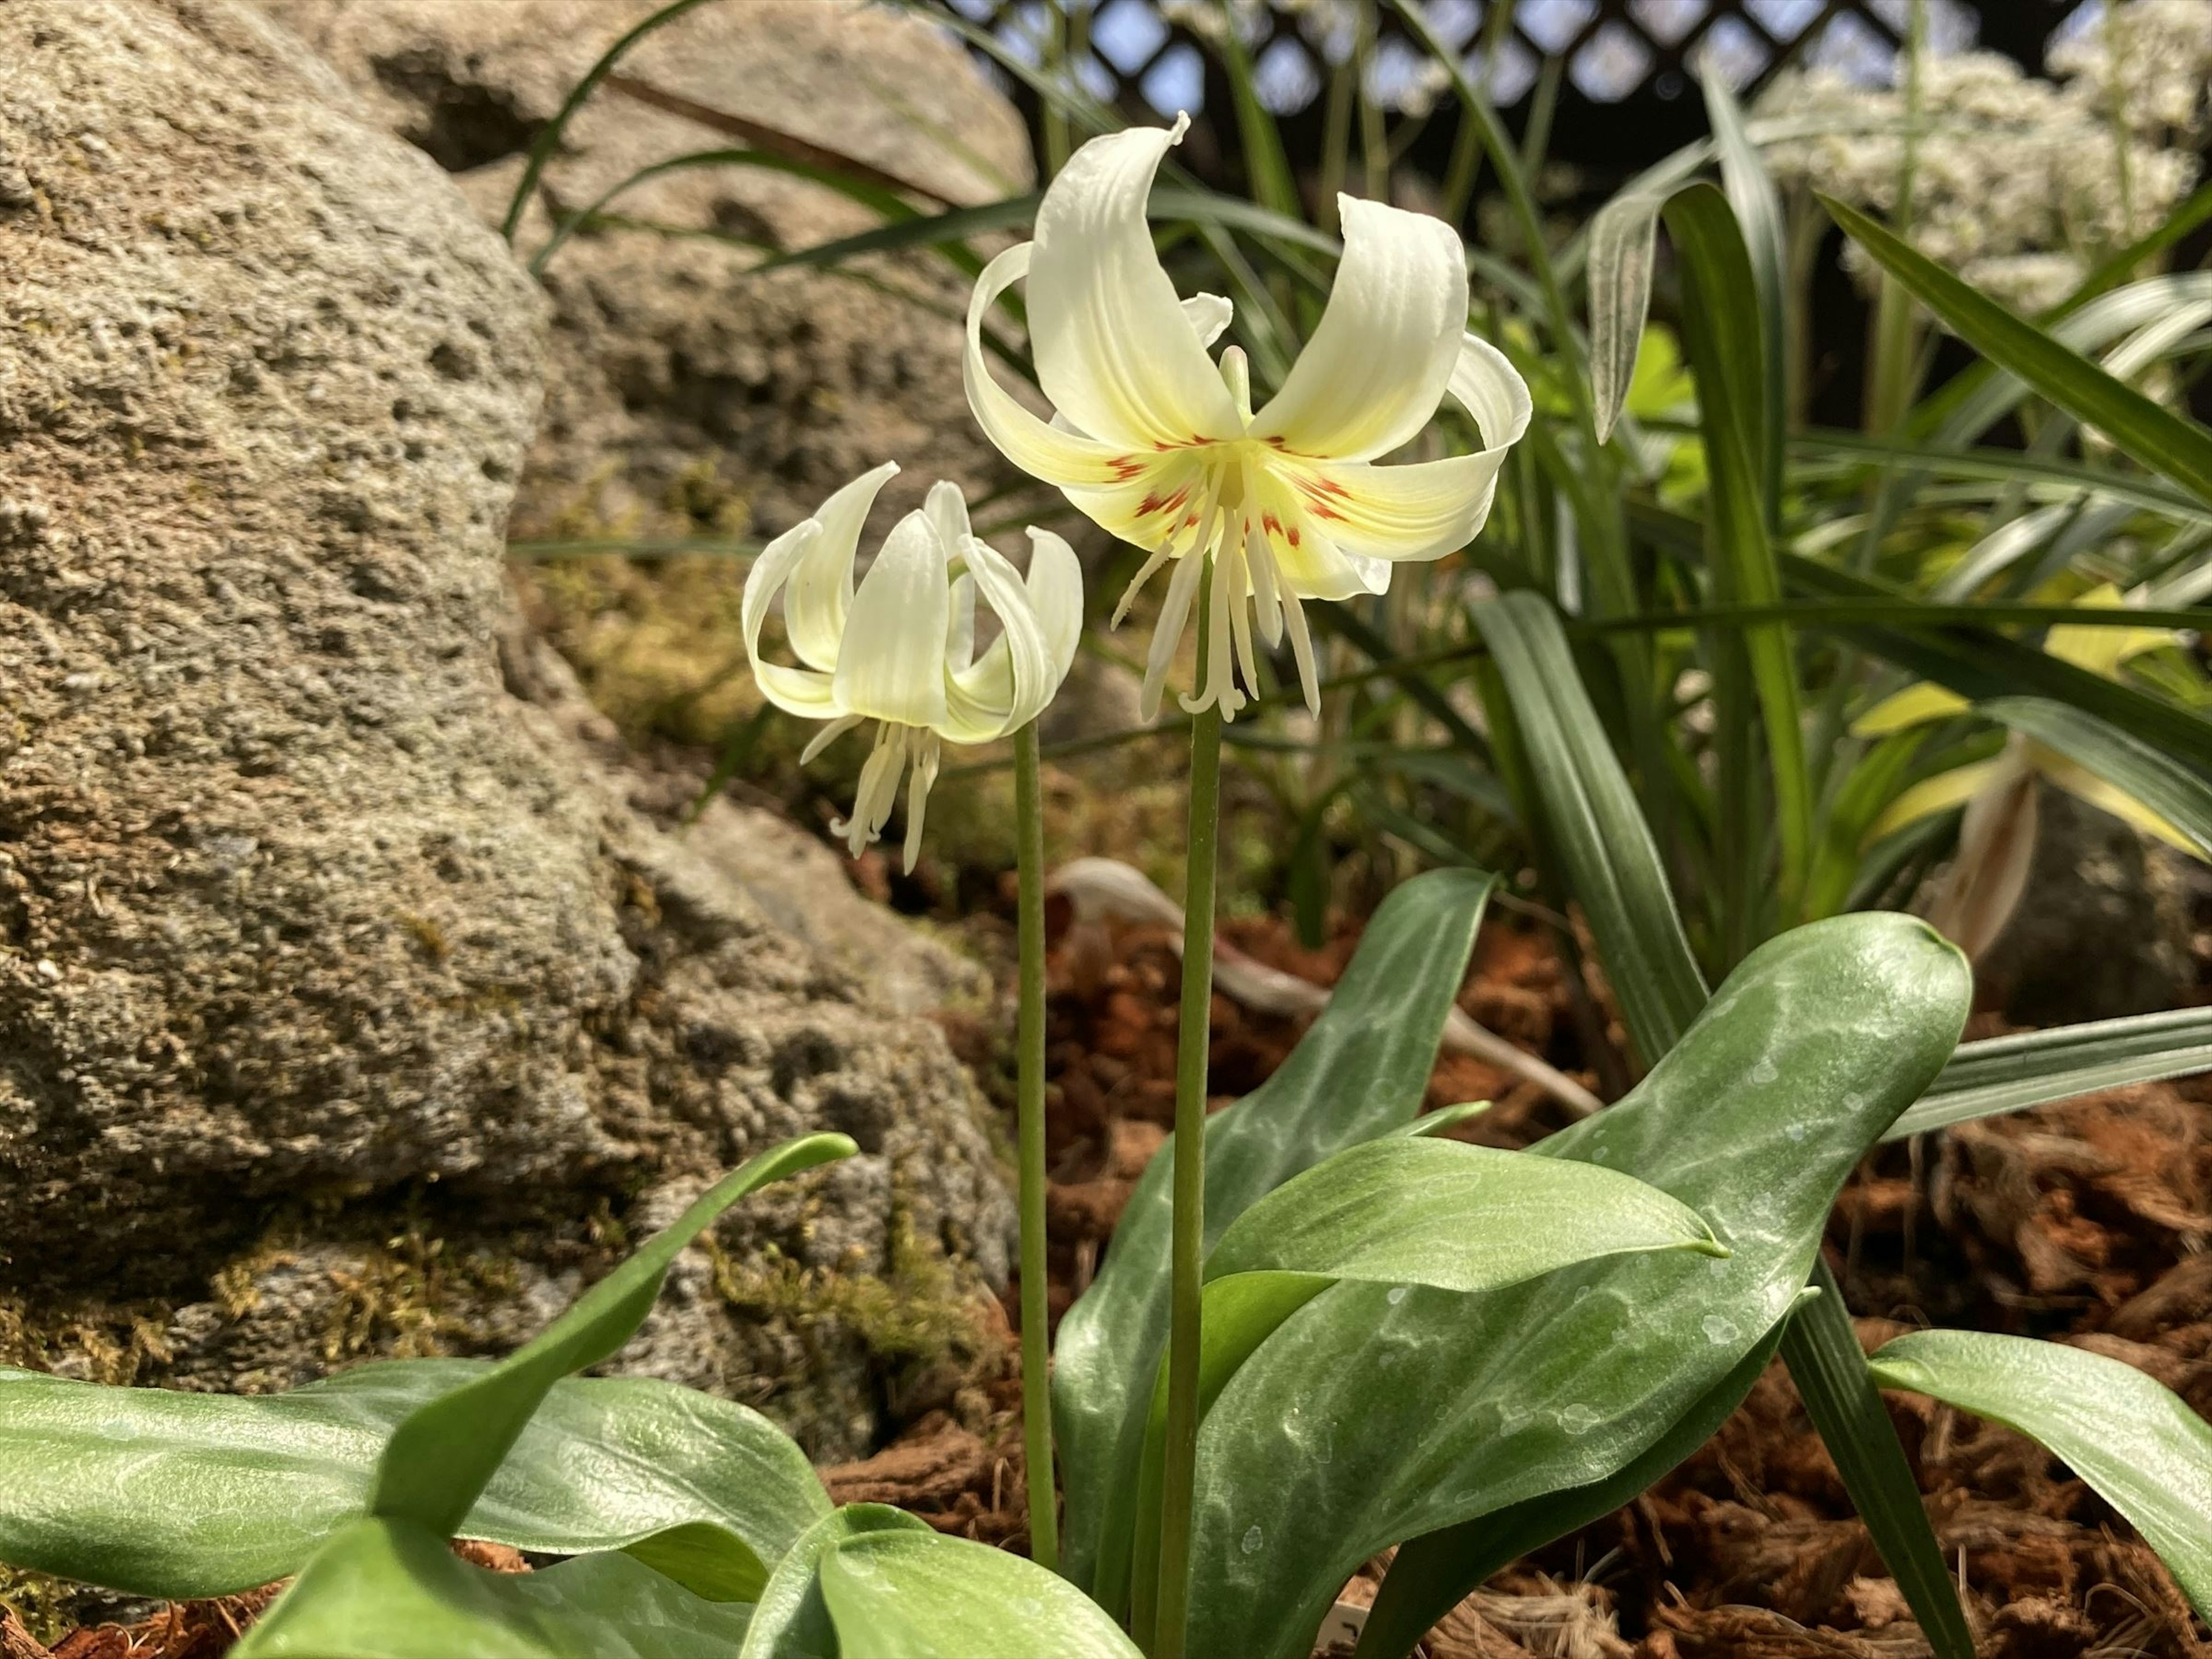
(2085, 1223)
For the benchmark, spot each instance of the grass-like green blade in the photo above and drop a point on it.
(1593, 819)
(1432, 1573)
(549, 140)
(444, 1454)
(1402, 1212)
(156, 1493)
(388, 1589)
(909, 1595)
(1623, 251)
(941, 230)
(2176, 448)
(1758, 208)
(2034, 1068)
(792, 1620)
(1821, 1348)
(1363, 1421)
(1733, 393)
(1360, 1071)
(2045, 477)
(2136, 1442)
(2178, 793)
(1980, 665)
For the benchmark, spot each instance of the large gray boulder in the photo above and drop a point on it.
(684, 395)
(346, 1007)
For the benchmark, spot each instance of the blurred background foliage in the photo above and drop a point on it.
(1911, 512)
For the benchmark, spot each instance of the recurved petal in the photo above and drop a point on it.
(892, 666)
(1055, 589)
(1054, 453)
(796, 690)
(1114, 351)
(1488, 386)
(1014, 679)
(1379, 364)
(821, 587)
(1420, 510)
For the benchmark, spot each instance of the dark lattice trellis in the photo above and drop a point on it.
(1626, 93)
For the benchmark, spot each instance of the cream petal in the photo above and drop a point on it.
(1114, 351)
(1997, 850)
(960, 632)
(1408, 512)
(800, 691)
(821, 589)
(892, 666)
(1377, 366)
(1294, 617)
(1210, 314)
(1056, 590)
(1485, 383)
(948, 515)
(1054, 453)
(1308, 564)
(1015, 678)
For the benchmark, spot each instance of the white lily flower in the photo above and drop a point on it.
(1160, 444)
(902, 650)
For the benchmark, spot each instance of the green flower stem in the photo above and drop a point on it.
(1187, 1254)
(1029, 1048)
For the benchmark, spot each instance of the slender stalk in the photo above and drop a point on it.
(1186, 1252)
(1029, 1051)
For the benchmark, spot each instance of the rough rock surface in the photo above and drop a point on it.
(2103, 928)
(684, 395)
(345, 1008)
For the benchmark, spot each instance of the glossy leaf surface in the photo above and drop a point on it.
(1360, 1071)
(387, 1590)
(921, 1595)
(156, 1493)
(2134, 1440)
(1363, 1421)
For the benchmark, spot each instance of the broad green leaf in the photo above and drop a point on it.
(1434, 1573)
(2165, 443)
(791, 1620)
(1623, 246)
(2034, 1068)
(2179, 798)
(388, 1589)
(1733, 412)
(1358, 1072)
(444, 1454)
(155, 1493)
(1401, 1213)
(2136, 1442)
(1363, 1421)
(918, 1595)
(1593, 818)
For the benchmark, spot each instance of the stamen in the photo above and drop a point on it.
(1167, 634)
(1260, 557)
(827, 735)
(927, 748)
(1301, 648)
(1129, 594)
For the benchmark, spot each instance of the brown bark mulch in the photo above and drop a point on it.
(2086, 1223)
